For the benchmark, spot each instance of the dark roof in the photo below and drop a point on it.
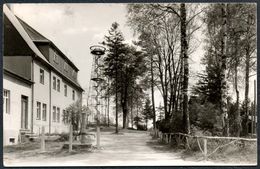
(39, 38)
(34, 35)
(10, 73)
(25, 35)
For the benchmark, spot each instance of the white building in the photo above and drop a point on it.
(39, 82)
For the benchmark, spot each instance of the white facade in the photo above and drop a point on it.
(61, 102)
(31, 101)
(12, 120)
(51, 93)
(41, 95)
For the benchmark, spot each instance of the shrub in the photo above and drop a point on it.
(205, 115)
(141, 127)
(63, 137)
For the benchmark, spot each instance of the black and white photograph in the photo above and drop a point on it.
(129, 84)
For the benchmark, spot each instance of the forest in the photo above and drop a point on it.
(159, 61)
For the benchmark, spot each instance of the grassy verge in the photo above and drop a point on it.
(32, 149)
(236, 152)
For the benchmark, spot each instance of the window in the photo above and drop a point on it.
(6, 101)
(55, 57)
(38, 115)
(58, 114)
(54, 114)
(44, 112)
(54, 82)
(65, 90)
(58, 85)
(73, 95)
(41, 76)
(66, 68)
(65, 120)
(12, 140)
(73, 73)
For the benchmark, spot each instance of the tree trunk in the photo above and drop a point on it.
(184, 52)
(146, 121)
(152, 90)
(116, 99)
(224, 114)
(108, 99)
(247, 80)
(124, 117)
(132, 118)
(124, 104)
(137, 115)
(237, 120)
(237, 115)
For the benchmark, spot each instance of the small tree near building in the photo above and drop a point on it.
(72, 115)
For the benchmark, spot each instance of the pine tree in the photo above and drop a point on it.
(147, 112)
(124, 65)
(115, 43)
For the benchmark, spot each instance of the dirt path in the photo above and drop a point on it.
(128, 149)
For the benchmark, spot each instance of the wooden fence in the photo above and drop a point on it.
(181, 139)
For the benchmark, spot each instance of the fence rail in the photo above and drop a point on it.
(184, 139)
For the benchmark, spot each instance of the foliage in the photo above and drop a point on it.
(141, 127)
(240, 28)
(63, 137)
(137, 120)
(124, 65)
(72, 115)
(165, 33)
(204, 114)
(147, 112)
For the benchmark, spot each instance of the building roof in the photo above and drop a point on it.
(23, 33)
(15, 75)
(29, 40)
(39, 38)
(34, 35)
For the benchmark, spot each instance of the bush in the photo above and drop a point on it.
(205, 115)
(164, 126)
(141, 127)
(63, 137)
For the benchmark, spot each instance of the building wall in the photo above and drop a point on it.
(45, 93)
(60, 100)
(12, 121)
(42, 95)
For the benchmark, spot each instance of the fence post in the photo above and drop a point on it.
(205, 149)
(43, 139)
(70, 138)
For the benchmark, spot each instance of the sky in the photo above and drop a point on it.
(73, 28)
